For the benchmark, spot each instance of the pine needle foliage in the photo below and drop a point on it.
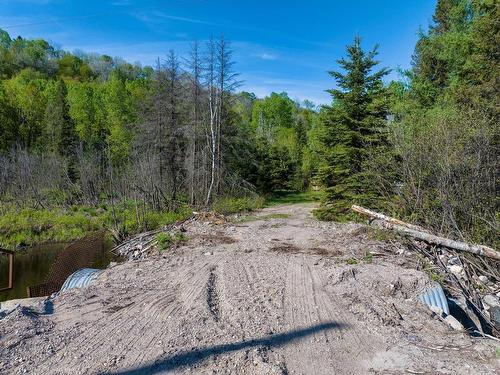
(354, 126)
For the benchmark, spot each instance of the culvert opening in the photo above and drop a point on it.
(459, 314)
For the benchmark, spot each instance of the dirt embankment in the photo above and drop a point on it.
(280, 294)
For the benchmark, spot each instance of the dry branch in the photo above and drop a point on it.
(421, 234)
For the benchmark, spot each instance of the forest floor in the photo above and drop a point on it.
(274, 292)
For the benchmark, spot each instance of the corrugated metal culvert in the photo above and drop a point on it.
(434, 296)
(80, 278)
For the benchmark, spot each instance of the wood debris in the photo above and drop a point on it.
(143, 244)
(470, 273)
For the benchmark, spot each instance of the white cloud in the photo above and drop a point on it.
(268, 56)
(262, 85)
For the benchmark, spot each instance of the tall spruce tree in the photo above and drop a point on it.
(352, 129)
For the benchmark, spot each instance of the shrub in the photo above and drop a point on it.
(164, 240)
(230, 205)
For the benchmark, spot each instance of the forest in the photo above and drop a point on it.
(88, 140)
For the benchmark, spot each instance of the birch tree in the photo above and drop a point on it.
(213, 106)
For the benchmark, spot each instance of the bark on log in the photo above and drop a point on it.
(421, 234)
(389, 219)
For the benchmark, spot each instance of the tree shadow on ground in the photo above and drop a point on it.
(192, 357)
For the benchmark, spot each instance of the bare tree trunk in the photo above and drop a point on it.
(221, 51)
(213, 108)
(159, 122)
(419, 233)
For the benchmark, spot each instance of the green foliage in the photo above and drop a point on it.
(22, 227)
(292, 197)
(271, 114)
(445, 130)
(351, 261)
(70, 66)
(231, 205)
(368, 257)
(180, 237)
(25, 93)
(29, 226)
(164, 240)
(353, 127)
(280, 130)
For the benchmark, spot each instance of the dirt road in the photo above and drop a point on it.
(280, 293)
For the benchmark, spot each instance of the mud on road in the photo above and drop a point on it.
(280, 293)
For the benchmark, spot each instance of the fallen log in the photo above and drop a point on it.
(383, 217)
(421, 234)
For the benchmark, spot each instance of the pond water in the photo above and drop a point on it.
(31, 267)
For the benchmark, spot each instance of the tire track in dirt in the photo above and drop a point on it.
(213, 295)
(160, 310)
(126, 320)
(106, 339)
(191, 295)
(145, 335)
(96, 333)
(344, 343)
(300, 314)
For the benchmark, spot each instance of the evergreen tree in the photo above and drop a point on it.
(352, 128)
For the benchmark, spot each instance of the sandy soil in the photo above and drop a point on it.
(274, 295)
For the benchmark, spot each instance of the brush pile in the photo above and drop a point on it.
(469, 273)
(145, 244)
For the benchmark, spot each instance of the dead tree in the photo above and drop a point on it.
(175, 136)
(226, 83)
(194, 65)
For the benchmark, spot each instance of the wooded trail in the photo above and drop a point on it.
(274, 293)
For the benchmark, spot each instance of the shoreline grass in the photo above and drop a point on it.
(24, 227)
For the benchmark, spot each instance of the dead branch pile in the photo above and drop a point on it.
(211, 217)
(144, 244)
(469, 273)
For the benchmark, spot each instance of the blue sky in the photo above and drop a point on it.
(279, 45)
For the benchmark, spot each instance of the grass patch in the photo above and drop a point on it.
(164, 240)
(430, 269)
(231, 205)
(293, 197)
(180, 237)
(351, 261)
(27, 226)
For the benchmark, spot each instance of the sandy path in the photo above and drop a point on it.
(270, 296)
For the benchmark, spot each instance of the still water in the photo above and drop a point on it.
(31, 267)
